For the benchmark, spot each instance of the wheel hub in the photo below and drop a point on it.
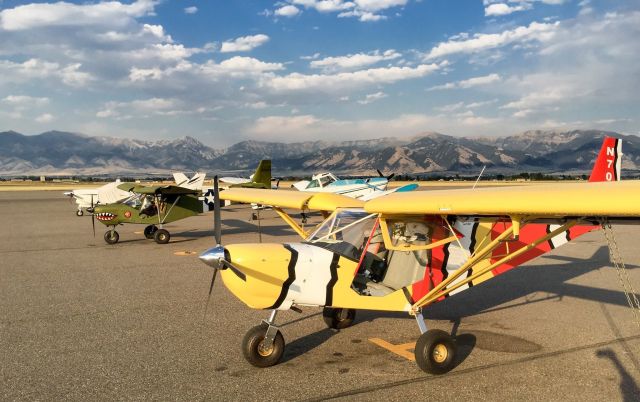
(440, 353)
(263, 350)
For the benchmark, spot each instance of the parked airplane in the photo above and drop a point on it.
(87, 198)
(261, 178)
(148, 205)
(406, 251)
(354, 188)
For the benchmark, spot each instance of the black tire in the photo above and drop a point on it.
(79, 212)
(435, 352)
(111, 236)
(338, 318)
(162, 236)
(149, 231)
(253, 351)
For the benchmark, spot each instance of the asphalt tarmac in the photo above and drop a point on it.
(82, 320)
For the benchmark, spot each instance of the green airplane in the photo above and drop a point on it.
(153, 206)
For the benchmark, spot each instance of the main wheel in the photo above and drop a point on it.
(162, 236)
(79, 212)
(254, 350)
(149, 231)
(111, 236)
(435, 352)
(338, 318)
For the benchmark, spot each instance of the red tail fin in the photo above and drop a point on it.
(607, 166)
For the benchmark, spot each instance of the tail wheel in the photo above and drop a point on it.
(111, 237)
(162, 236)
(150, 231)
(435, 352)
(255, 350)
(79, 212)
(338, 318)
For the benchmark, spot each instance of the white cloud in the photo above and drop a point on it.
(347, 80)
(498, 9)
(191, 10)
(354, 61)
(287, 11)
(24, 101)
(40, 69)
(244, 44)
(469, 83)
(45, 118)
(540, 32)
(364, 10)
(37, 15)
(370, 98)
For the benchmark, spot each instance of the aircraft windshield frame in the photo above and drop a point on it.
(344, 231)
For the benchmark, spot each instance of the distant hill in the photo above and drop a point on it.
(56, 152)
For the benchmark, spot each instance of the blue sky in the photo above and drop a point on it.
(297, 70)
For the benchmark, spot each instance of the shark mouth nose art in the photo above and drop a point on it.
(105, 216)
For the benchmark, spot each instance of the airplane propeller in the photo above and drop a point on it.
(216, 257)
(93, 217)
(387, 177)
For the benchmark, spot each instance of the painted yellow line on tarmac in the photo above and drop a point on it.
(139, 232)
(405, 349)
(186, 252)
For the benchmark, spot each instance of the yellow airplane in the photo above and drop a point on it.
(405, 251)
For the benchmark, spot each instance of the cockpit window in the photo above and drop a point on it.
(133, 200)
(326, 180)
(344, 232)
(313, 184)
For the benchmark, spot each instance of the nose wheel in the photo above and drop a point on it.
(263, 345)
(111, 237)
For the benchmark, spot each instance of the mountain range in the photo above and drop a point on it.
(64, 153)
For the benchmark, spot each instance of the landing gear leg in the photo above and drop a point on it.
(435, 350)
(263, 345)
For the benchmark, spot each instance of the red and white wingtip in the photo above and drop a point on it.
(608, 164)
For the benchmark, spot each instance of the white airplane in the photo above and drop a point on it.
(110, 193)
(354, 188)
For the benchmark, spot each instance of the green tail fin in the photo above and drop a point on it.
(263, 173)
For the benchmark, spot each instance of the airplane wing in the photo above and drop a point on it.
(291, 199)
(233, 180)
(613, 199)
(376, 194)
(165, 190)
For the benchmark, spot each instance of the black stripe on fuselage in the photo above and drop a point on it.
(292, 277)
(407, 295)
(472, 246)
(550, 241)
(333, 268)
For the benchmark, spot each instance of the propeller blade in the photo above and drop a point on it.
(217, 225)
(379, 173)
(213, 280)
(93, 218)
(236, 270)
(391, 176)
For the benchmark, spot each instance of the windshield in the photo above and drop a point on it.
(134, 200)
(344, 232)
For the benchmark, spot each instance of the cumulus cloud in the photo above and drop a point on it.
(469, 83)
(323, 83)
(500, 7)
(287, 11)
(244, 43)
(191, 10)
(364, 10)
(354, 61)
(370, 98)
(45, 118)
(535, 32)
(38, 15)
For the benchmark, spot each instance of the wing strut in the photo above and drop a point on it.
(447, 286)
